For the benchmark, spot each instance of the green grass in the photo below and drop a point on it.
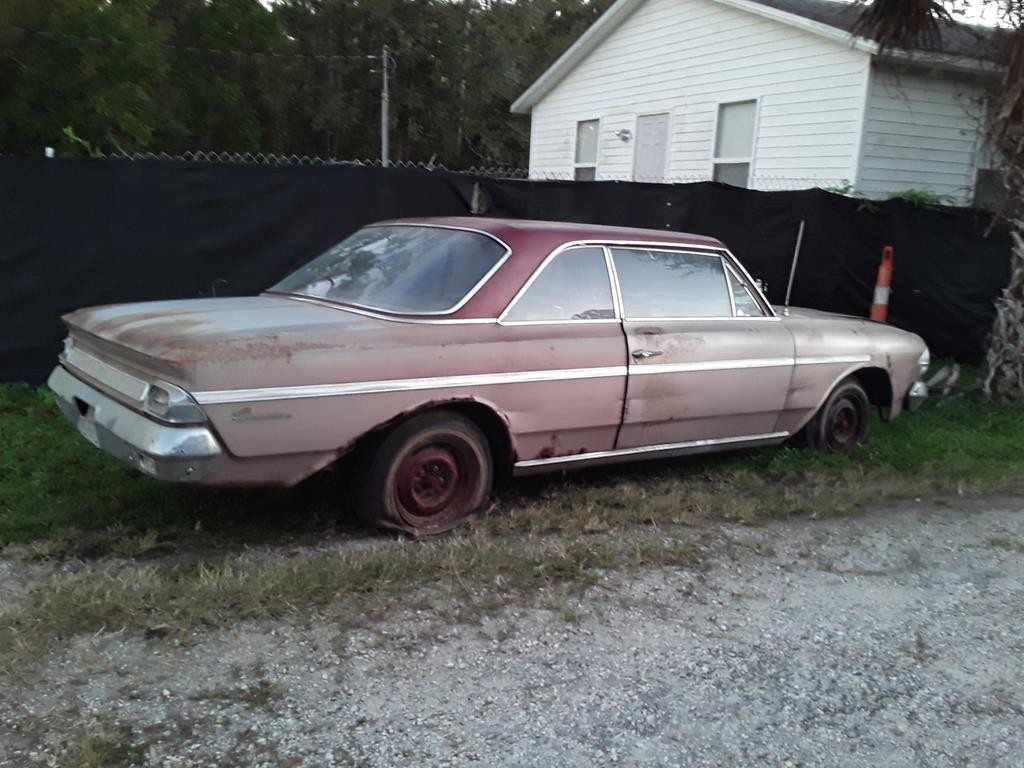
(59, 495)
(54, 486)
(98, 745)
(477, 572)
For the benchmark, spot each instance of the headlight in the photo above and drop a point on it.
(924, 361)
(170, 403)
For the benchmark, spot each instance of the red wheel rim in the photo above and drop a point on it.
(427, 481)
(845, 424)
(439, 479)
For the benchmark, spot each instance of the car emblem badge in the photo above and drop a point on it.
(246, 414)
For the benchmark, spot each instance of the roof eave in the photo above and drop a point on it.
(942, 61)
(618, 12)
(800, 22)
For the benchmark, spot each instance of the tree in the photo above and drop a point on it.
(92, 66)
(906, 24)
(219, 51)
(289, 77)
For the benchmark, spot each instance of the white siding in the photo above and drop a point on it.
(684, 57)
(921, 133)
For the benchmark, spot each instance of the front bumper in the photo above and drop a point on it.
(177, 453)
(916, 395)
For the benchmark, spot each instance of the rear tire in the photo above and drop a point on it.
(843, 421)
(427, 476)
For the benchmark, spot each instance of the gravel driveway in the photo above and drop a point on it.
(888, 639)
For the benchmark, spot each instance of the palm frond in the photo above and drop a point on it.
(903, 24)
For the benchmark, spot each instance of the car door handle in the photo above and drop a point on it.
(643, 354)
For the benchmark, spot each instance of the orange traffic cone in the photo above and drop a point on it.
(880, 307)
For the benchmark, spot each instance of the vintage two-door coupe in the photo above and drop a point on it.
(440, 352)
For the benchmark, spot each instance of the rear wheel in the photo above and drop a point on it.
(843, 422)
(427, 476)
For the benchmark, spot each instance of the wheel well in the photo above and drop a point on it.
(494, 429)
(877, 384)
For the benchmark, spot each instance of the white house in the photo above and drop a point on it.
(767, 94)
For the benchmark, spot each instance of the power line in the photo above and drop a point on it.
(192, 48)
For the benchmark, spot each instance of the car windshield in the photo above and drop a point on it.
(403, 269)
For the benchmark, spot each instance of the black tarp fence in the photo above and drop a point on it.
(948, 269)
(76, 233)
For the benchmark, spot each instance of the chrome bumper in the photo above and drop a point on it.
(916, 395)
(169, 453)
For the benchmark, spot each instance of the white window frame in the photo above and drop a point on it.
(503, 318)
(597, 145)
(754, 297)
(673, 248)
(715, 161)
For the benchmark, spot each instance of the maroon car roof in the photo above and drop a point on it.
(530, 242)
(565, 229)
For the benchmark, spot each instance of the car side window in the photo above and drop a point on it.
(574, 285)
(746, 304)
(656, 283)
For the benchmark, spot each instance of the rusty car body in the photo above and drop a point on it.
(439, 352)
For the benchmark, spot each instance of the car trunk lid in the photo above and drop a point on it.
(196, 342)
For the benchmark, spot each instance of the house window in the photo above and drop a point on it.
(586, 150)
(734, 143)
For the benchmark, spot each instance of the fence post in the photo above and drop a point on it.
(476, 202)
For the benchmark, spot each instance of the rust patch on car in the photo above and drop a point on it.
(268, 346)
(650, 330)
(552, 449)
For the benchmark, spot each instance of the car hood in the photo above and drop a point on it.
(812, 314)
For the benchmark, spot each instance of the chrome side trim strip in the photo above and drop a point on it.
(582, 321)
(649, 451)
(640, 369)
(830, 359)
(216, 397)
(729, 365)
(726, 318)
(130, 386)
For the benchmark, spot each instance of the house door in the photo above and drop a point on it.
(651, 148)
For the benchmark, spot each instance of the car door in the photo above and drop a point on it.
(708, 360)
(564, 321)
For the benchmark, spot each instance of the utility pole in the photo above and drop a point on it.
(385, 104)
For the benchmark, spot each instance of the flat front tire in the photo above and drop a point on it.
(427, 476)
(843, 421)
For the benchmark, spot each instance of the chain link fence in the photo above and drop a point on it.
(763, 182)
(263, 158)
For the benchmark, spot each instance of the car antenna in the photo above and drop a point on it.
(796, 257)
